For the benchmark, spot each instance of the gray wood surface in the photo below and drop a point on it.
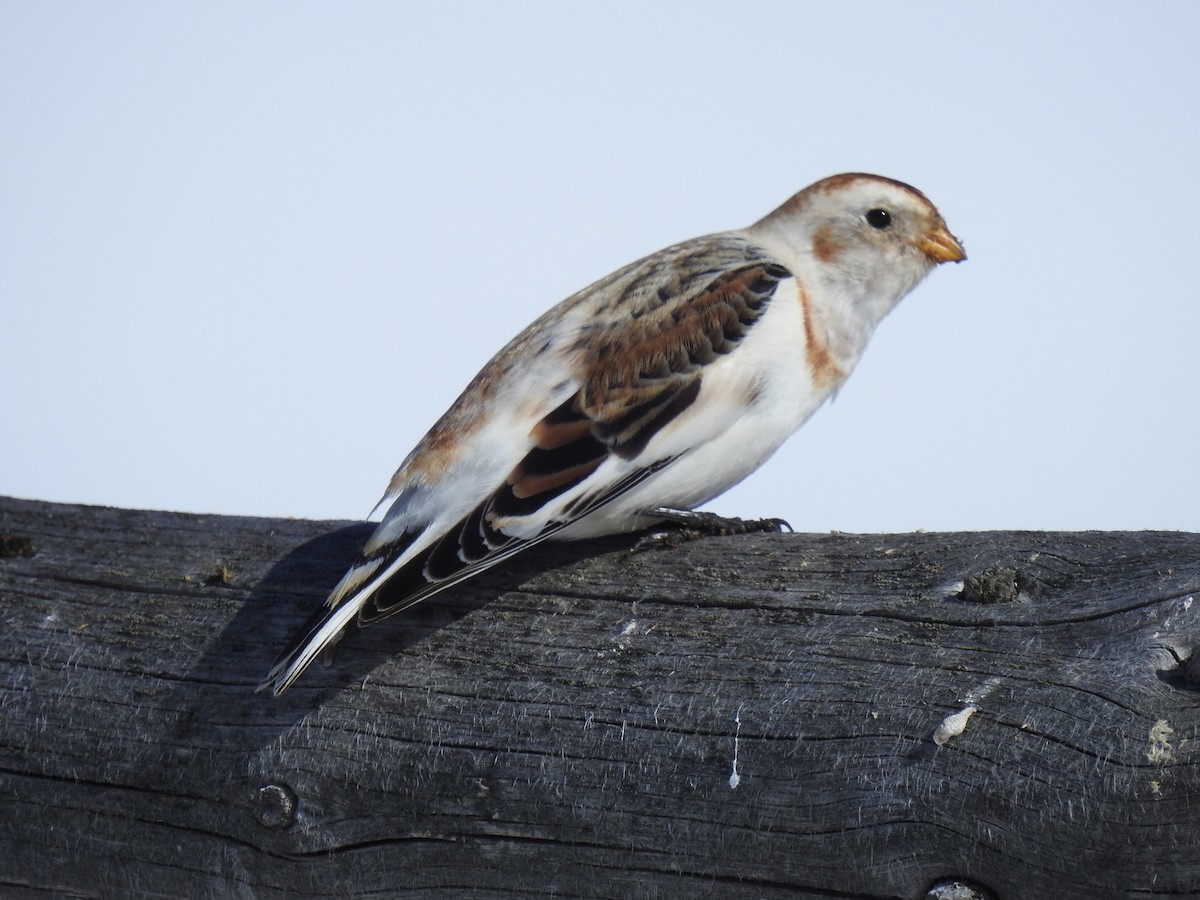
(570, 725)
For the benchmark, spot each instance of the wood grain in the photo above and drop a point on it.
(568, 726)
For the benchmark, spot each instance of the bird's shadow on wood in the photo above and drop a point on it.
(221, 686)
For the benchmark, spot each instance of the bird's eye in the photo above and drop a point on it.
(879, 218)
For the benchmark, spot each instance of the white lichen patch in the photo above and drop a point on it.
(953, 725)
(956, 723)
(1161, 753)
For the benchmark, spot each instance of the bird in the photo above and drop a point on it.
(642, 396)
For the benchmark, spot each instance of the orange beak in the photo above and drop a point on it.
(941, 246)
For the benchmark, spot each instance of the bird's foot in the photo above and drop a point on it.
(690, 525)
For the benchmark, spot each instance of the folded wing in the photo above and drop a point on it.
(652, 329)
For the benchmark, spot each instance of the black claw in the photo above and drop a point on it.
(692, 525)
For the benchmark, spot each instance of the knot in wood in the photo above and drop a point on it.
(274, 805)
(995, 584)
(1185, 673)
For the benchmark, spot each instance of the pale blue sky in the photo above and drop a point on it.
(250, 251)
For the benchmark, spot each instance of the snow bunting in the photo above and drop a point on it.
(642, 396)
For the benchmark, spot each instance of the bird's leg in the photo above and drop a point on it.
(691, 524)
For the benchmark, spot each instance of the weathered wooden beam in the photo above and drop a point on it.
(764, 716)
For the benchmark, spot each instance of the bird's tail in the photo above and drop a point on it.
(345, 602)
(322, 630)
(398, 571)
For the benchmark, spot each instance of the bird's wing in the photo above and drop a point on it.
(646, 336)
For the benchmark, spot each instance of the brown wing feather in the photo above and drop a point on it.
(684, 311)
(641, 375)
(645, 374)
